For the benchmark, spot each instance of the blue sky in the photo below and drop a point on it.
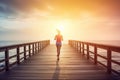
(36, 19)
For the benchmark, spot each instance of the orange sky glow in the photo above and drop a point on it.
(77, 19)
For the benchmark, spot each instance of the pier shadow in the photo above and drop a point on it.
(57, 71)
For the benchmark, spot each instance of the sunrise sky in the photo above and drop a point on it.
(78, 19)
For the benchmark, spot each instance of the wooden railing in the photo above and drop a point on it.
(109, 58)
(15, 54)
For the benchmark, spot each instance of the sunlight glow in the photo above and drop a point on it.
(60, 27)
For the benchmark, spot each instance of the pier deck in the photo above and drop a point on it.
(44, 65)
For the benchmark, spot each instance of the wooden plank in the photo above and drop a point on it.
(44, 66)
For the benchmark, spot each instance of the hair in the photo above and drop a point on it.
(58, 31)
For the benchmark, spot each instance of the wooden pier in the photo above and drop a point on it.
(73, 65)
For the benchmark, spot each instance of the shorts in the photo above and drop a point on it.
(58, 44)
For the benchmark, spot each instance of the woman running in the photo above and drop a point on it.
(58, 39)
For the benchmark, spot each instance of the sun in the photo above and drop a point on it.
(60, 27)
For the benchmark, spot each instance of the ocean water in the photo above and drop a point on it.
(107, 42)
(7, 43)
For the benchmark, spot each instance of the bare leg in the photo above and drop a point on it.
(58, 51)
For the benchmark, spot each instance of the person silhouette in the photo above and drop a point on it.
(59, 39)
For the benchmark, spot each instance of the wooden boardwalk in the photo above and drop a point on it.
(71, 66)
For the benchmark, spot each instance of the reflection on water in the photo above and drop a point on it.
(57, 71)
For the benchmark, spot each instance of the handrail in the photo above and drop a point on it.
(83, 47)
(28, 50)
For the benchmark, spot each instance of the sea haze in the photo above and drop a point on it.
(107, 42)
(7, 43)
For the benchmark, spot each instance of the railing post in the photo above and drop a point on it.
(87, 51)
(6, 59)
(44, 43)
(24, 52)
(109, 61)
(69, 42)
(73, 44)
(83, 49)
(41, 45)
(38, 46)
(29, 50)
(32, 48)
(77, 46)
(36, 50)
(18, 55)
(95, 54)
(49, 42)
(80, 46)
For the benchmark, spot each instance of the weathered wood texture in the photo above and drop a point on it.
(6, 57)
(100, 54)
(44, 66)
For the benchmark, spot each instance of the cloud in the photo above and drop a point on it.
(19, 17)
(18, 7)
(61, 8)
